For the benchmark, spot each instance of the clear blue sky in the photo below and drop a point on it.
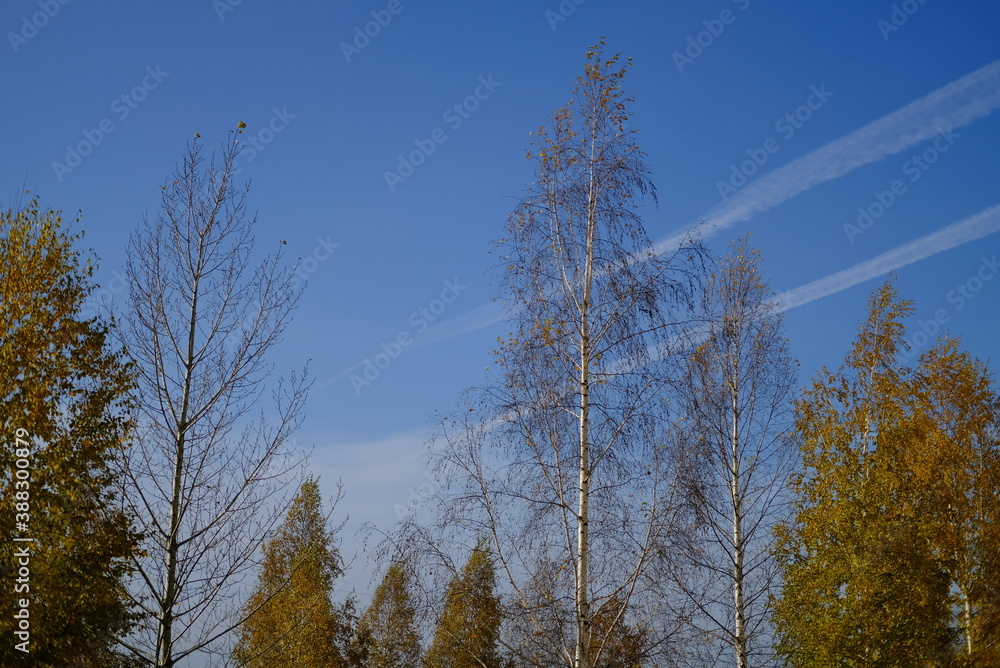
(870, 86)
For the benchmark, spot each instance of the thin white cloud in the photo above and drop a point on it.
(968, 229)
(959, 103)
(479, 317)
(377, 475)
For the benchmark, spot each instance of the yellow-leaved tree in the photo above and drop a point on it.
(891, 559)
(468, 631)
(291, 619)
(955, 466)
(63, 419)
(386, 634)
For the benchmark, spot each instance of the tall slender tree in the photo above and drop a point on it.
(735, 417)
(468, 632)
(206, 479)
(561, 461)
(386, 635)
(64, 420)
(291, 619)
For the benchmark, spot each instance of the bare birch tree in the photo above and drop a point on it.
(561, 462)
(735, 412)
(208, 475)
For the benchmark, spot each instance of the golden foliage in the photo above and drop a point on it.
(67, 390)
(292, 621)
(896, 501)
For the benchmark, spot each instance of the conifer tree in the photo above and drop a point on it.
(468, 631)
(291, 619)
(63, 421)
(386, 634)
(615, 643)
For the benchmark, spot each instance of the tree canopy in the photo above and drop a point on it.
(64, 418)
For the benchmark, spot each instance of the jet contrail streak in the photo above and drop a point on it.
(957, 104)
(968, 229)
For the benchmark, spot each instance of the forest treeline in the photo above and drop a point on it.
(639, 480)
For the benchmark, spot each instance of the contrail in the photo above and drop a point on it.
(968, 229)
(959, 103)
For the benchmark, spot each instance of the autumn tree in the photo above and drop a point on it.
(468, 631)
(954, 468)
(206, 476)
(862, 585)
(291, 619)
(734, 413)
(560, 459)
(64, 419)
(617, 643)
(386, 634)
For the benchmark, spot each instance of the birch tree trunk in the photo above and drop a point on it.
(561, 460)
(735, 409)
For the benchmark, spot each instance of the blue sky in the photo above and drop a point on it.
(825, 109)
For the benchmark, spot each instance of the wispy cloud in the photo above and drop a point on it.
(367, 464)
(968, 229)
(479, 317)
(391, 460)
(959, 103)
